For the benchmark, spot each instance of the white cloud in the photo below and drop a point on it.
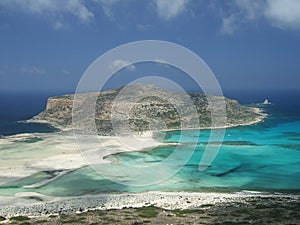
(53, 8)
(229, 24)
(58, 25)
(107, 6)
(32, 70)
(119, 63)
(168, 9)
(283, 13)
(79, 9)
(240, 13)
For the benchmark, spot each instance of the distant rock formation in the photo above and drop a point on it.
(266, 102)
(151, 112)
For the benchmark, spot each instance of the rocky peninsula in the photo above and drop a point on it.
(145, 113)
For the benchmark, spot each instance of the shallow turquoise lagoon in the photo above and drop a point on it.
(262, 157)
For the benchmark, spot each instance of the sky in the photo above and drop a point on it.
(46, 45)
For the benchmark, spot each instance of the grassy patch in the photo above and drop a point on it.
(243, 211)
(148, 212)
(19, 218)
(63, 216)
(102, 213)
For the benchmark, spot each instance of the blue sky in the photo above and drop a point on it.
(46, 45)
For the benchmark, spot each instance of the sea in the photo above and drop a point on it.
(263, 157)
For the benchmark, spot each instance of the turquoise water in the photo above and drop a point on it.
(263, 157)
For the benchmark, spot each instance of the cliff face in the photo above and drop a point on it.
(59, 102)
(58, 111)
(150, 112)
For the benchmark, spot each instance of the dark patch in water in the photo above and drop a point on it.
(227, 172)
(290, 146)
(153, 161)
(291, 134)
(233, 143)
(294, 139)
(5, 186)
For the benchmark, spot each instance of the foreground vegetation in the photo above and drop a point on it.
(252, 211)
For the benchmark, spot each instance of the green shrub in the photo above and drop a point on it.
(19, 218)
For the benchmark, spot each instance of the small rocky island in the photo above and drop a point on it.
(148, 110)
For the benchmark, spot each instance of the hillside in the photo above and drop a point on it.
(149, 113)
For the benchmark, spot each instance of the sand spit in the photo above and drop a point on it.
(58, 151)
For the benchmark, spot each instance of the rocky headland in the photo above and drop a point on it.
(171, 111)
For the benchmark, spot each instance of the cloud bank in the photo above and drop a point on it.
(234, 14)
(76, 8)
(284, 14)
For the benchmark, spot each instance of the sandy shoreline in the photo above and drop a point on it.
(166, 200)
(59, 152)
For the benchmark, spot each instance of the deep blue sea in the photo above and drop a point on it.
(18, 107)
(263, 157)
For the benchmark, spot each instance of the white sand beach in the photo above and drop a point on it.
(58, 151)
